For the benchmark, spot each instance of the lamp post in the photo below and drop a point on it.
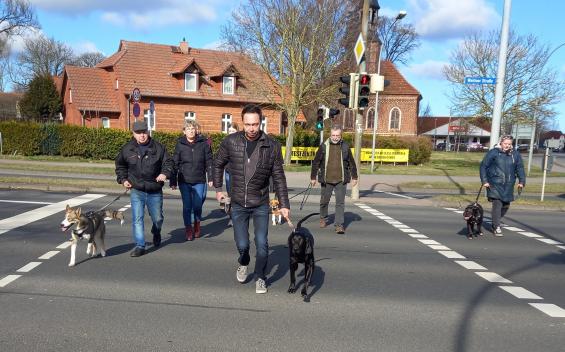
(400, 16)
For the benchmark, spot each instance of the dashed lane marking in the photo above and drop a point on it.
(64, 245)
(49, 255)
(7, 279)
(519, 292)
(28, 267)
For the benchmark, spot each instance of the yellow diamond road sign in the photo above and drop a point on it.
(359, 48)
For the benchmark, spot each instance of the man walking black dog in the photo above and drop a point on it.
(335, 167)
(252, 158)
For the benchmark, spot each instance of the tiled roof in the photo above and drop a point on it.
(111, 60)
(551, 134)
(92, 89)
(398, 85)
(149, 67)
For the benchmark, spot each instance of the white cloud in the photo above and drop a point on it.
(429, 69)
(85, 47)
(442, 19)
(17, 42)
(215, 45)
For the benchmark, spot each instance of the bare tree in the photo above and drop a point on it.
(296, 43)
(530, 87)
(41, 57)
(15, 17)
(425, 110)
(89, 59)
(398, 40)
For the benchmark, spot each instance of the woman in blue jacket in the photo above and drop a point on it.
(192, 166)
(499, 169)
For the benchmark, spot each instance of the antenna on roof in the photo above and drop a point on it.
(184, 39)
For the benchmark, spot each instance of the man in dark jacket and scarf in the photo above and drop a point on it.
(335, 167)
(252, 157)
(499, 169)
(142, 166)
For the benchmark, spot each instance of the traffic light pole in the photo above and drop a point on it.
(359, 115)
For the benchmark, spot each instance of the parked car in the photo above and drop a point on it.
(526, 147)
(475, 147)
(440, 146)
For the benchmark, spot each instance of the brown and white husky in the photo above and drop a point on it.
(90, 226)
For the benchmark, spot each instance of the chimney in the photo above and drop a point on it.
(374, 48)
(183, 46)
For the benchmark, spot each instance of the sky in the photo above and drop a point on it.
(87, 25)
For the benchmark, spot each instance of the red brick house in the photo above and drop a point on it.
(398, 103)
(184, 83)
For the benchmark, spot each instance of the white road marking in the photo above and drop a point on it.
(429, 242)
(458, 211)
(548, 241)
(392, 222)
(471, 265)
(439, 247)
(520, 292)
(64, 245)
(452, 209)
(550, 309)
(49, 255)
(384, 217)
(43, 212)
(23, 201)
(515, 229)
(530, 234)
(493, 277)
(409, 230)
(561, 247)
(28, 267)
(401, 226)
(417, 235)
(394, 194)
(451, 254)
(7, 279)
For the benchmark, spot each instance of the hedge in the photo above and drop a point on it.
(32, 138)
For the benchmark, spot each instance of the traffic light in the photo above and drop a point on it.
(348, 90)
(320, 119)
(364, 91)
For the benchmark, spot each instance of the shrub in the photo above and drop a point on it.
(23, 138)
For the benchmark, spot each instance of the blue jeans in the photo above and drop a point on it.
(193, 195)
(240, 217)
(154, 203)
(227, 178)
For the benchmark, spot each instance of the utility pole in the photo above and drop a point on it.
(362, 69)
(499, 90)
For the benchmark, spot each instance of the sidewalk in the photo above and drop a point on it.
(296, 181)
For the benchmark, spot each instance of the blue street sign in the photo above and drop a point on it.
(480, 80)
(152, 106)
(136, 109)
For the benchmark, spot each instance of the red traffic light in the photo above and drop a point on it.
(364, 79)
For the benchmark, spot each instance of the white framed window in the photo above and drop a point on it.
(190, 82)
(394, 119)
(370, 119)
(263, 126)
(228, 85)
(106, 122)
(150, 118)
(189, 116)
(226, 122)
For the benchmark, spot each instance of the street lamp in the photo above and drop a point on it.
(401, 15)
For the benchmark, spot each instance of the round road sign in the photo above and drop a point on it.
(136, 109)
(136, 95)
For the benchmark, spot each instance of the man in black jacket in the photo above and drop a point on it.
(142, 166)
(335, 167)
(252, 158)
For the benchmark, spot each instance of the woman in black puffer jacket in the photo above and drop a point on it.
(192, 168)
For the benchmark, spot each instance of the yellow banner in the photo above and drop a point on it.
(384, 155)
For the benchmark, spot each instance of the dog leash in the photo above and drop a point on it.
(308, 190)
(115, 199)
(299, 193)
(479, 194)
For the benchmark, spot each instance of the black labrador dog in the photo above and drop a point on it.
(473, 215)
(301, 250)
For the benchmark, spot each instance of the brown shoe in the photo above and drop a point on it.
(339, 229)
(188, 233)
(197, 229)
(323, 223)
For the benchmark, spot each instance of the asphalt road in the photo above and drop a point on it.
(403, 278)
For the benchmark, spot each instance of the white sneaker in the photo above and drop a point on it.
(241, 274)
(260, 286)
(498, 232)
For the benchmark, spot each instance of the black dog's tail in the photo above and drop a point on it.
(304, 219)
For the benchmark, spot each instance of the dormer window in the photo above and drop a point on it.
(190, 82)
(228, 85)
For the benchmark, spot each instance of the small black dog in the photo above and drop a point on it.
(301, 250)
(473, 214)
